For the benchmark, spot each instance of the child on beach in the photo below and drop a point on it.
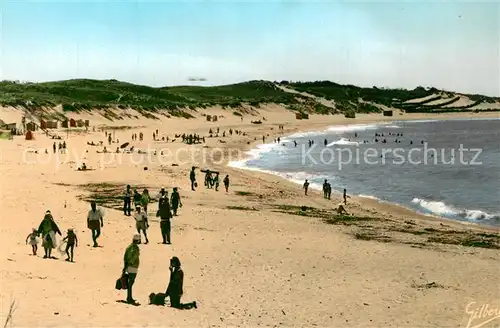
(141, 222)
(33, 241)
(72, 241)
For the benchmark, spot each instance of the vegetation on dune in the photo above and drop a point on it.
(85, 94)
(354, 97)
(334, 91)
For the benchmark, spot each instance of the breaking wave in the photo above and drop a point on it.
(442, 209)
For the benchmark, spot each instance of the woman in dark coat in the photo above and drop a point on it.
(48, 229)
(174, 289)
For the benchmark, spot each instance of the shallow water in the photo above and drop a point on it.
(448, 168)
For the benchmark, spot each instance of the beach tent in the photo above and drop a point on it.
(29, 135)
(214, 118)
(51, 124)
(43, 125)
(64, 124)
(209, 118)
(87, 123)
(72, 123)
(387, 112)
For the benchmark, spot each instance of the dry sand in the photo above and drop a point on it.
(253, 264)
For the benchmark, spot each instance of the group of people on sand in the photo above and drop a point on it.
(174, 291)
(167, 208)
(61, 147)
(134, 136)
(215, 133)
(327, 192)
(210, 181)
(48, 230)
(192, 138)
(131, 259)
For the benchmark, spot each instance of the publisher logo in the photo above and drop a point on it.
(481, 314)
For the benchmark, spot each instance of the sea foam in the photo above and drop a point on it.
(442, 209)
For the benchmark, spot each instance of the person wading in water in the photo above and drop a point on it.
(95, 222)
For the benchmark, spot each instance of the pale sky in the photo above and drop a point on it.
(449, 45)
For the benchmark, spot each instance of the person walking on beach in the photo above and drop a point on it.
(215, 181)
(145, 199)
(192, 178)
(72, 242)
(127, 198)
(345, 196)
(306, 187)
(165, 215)
(175, 286)
(162, 196)
(226, 182)
(95, 222)
(137, 198)
(328, 191)
(208, 179)
(325, 189)
(131, 265)
(175, 201)
(141, 223)
(48, 229)
(32, 238)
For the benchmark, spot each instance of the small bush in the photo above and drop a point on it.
(350, 113)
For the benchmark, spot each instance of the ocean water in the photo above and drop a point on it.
(447, 168)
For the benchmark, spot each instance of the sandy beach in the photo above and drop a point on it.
(251, 256)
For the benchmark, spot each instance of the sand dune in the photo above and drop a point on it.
(462, 102)
(248, 265)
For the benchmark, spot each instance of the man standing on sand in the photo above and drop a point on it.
(328, 191)
(127, 199)
(175, 201)
(131, 265)
(165, 215)
(95, 222)
(192, 178)
(226, 182)
(325, 189)
(306, 186)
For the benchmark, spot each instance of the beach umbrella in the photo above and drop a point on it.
(124, 145)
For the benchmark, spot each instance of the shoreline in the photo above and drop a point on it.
(370, 198)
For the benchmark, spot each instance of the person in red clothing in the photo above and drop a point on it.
(174, 289)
